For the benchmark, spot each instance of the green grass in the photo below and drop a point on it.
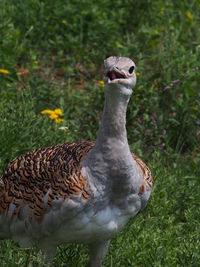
(54, 52)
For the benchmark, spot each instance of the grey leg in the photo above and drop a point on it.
(97, 253)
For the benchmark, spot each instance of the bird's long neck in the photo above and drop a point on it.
(113, 124)
(109, 166)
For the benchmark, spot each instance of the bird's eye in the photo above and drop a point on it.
(131, 69)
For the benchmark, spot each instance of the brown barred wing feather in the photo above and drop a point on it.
(146, 173)
(39, 177)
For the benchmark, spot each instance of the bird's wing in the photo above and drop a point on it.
(42, 176)
(146, 173)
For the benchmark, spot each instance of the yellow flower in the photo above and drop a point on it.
(58, 120)
(189, 15)
(47, 111)
(64, 21)
(3, 71)
(53, 116)
(137, 73)
(58, 111)
(101, 83)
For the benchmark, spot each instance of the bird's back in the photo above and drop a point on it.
(37, 178)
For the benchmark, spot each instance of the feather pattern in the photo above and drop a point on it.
(53, 170)
(147, 176)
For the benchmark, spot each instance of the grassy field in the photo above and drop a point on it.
(51, 56)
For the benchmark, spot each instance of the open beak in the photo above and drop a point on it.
(115, 74)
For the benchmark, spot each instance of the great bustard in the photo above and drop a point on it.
(79, 192)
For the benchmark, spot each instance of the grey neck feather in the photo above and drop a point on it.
(113, 124)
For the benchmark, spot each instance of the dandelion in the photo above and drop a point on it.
(58, 120)
(3, 71)
(53, 114)
(189, 15)
(137, 73)
(101, 83)
(58, 111)
(64, 21)
(47, 111)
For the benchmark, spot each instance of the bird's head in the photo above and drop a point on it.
(119, 73)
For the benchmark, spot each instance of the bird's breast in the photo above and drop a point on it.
(96, 223)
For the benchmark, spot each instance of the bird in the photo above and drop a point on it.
(82, 192)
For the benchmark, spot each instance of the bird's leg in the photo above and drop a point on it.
(97, 253)
(49, 254)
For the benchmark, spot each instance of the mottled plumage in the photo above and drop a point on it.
(56, 170)
(148, 179)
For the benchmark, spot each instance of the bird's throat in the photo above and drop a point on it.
(113, 124)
